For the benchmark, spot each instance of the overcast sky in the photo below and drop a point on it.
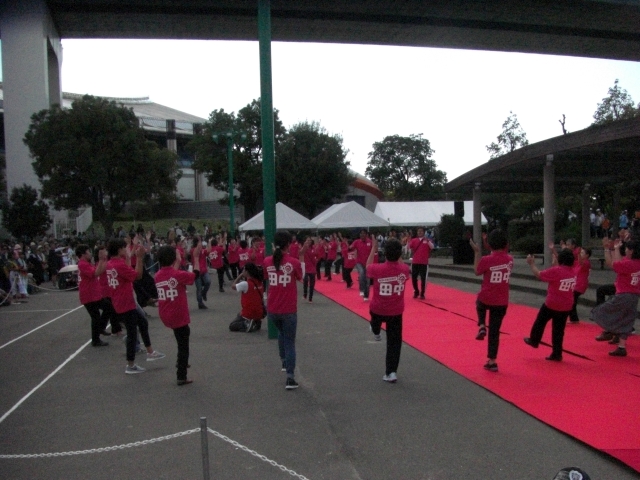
(458, 99)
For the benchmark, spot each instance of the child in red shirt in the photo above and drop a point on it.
(171, 283)
(494, 292)
(557, 305)
(387, 302)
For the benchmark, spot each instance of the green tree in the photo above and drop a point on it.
(511, 138)
(403, 169)
(211, 158)
(24, 215)
(618, 105)
(312, 171)
(95, 154)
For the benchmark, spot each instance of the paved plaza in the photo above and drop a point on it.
(59, 394)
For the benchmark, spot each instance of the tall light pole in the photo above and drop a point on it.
(230, 135)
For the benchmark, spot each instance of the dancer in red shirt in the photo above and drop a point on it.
(387, 302)
(420, 248)
(90, 290)
(363, 247)
(557, 305)
(494, 293)
(120, 278)
(309, 253)
(171, 283)
(282, 271)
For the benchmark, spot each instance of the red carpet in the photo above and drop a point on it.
(589, 395)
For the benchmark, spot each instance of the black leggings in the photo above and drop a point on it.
(496, 315)
(394, 338)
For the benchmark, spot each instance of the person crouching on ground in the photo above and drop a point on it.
(387, 302)
(173, 309)
(120, 277)
(618, 314)
(249, 284)
(558, 303)
(494, 292)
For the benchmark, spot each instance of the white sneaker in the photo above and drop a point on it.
(391, 378)
(377, 337)
(365, 299)
(155, 355)
(133, 370)
(362, 294)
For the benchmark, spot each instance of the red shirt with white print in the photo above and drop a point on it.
(388, 287)
(562, 281)
(628, 278)
(172, 296)
(216, 256)
(89, 287)
(120, 278)
(496, 271)
(283, 289)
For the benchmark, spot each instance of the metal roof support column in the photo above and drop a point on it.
(477, 214)
(586, 214)
(31, 58)
(549, 202)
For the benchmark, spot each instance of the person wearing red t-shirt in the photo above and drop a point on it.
(244, 253)
(90, 290)
(321, 255)
(294, 248)
(363, 247)
(309, 253)
(203, 282)
(233, 257)
(420, 248)
(216, 260)
(349, 260)
(618, 314)
(249, 284)
(171, 283)
(494, 292)
(582, 268)
(282, 271)
(387, 302)
(557, 304)
(332, 253)
(120, 277)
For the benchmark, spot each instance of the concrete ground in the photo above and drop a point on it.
(59, 394)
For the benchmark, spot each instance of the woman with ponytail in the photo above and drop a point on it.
(282, 271)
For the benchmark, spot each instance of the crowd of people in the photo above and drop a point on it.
(118, 278)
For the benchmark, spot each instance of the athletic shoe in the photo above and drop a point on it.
(104, 333)
(391, 378)
(221, 290)
(284, 366)
(365, 299)
(481, 333)
(492, 367)
(619, 352)
(291, 384)
(202, 306)
(378, 337)
(604, 337)
(99, 343)
(554, 358)
(362, 294)
(155, 355)
(133, 370)
(249, 324)
(415, 294)
(422, 296)
(310, 301)
(529, 342)
(186, 381)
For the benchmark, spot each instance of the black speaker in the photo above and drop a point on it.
(458, 209)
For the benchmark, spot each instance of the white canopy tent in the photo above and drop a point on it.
(286, 218)
(348, 215)
(427, 214)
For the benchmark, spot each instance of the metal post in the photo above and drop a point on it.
(204, 440)
(268, 148)
(585, 215)
(232, 223)
(549, 201)
(477, 215)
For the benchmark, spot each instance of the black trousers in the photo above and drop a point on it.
(558, 322)
(96, 324)
(327, 268)
(182, 337)
(309, 284)
(394, 338)
(220, 272)
(133, 320)
(419, 270)
(496, 315)
(346, 276)
(573, 314)
(235, 270)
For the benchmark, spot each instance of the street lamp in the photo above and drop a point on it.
(230, 135)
